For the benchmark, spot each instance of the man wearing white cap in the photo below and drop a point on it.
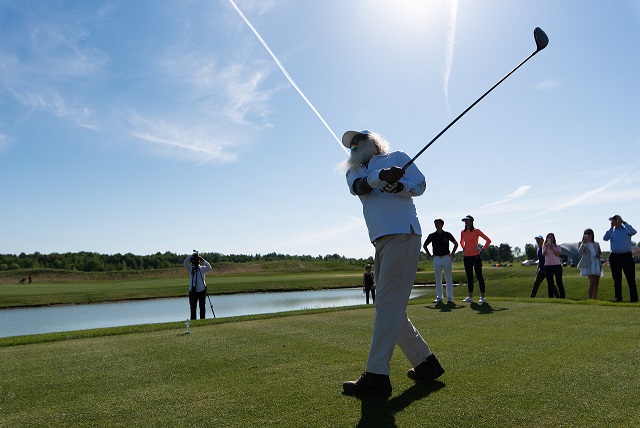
(386, 192)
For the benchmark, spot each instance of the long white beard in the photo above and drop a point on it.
(363, 154)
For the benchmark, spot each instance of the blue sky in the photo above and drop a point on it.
(157, 125)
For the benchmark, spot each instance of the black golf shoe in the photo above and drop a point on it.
(429, 369)
(368, 384)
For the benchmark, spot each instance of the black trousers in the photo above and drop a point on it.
(473, 263)
(550, 272)
(373, 293)
(623, 262)
(197, 298)
(536, 282)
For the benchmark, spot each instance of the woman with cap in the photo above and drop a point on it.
(472, 261)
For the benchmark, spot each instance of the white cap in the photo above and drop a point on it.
(348, 136)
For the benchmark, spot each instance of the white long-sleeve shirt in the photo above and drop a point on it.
(390, 213)
(197, 276)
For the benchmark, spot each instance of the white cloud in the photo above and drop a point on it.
(186, 142)
(547, 85)
(4, 141)
(520, 191)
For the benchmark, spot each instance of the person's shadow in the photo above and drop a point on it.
(445, 307)
(380, 412)
(485, 308)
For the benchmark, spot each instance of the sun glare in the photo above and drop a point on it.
(409, 16)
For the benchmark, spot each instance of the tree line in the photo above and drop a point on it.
(94, 262)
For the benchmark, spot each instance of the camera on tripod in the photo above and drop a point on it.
(195, 259)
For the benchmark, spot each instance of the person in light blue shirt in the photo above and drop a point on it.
(197, 268)
(621, 259)
(386, 190)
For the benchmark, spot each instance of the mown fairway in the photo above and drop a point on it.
(513, 281)
(516, 362)
(509, 363)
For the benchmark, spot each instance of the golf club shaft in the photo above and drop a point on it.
(468, 108)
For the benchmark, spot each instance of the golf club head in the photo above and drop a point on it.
(541, 38)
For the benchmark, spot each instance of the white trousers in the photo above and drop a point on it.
(440, 263)
(396, 263)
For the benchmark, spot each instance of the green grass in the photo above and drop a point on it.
(77, 288)
(511, 363)
(517, 362)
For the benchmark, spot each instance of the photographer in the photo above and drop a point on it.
(197, 267)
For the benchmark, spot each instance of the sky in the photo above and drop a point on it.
(161, 125)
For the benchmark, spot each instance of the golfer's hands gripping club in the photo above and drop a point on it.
(391, 177)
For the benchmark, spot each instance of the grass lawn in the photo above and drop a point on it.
(513, 281)
(513, 363)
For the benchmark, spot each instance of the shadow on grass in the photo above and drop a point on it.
(379, 411)
(485, 308)
(445, 307)
(482, 309)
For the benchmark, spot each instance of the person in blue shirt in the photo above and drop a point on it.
(197, 268)
(621, 259)
(386, 191)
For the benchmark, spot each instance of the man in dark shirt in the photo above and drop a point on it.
(442, 258)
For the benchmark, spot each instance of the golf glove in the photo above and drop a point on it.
(392, 187)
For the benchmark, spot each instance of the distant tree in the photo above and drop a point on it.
(504, 253)
(517, 252)
(531, 251)
(491, 253)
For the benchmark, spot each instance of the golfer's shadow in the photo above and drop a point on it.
(485, 308)
(380, 412)
(444, 307)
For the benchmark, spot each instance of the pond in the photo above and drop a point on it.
(50, 319)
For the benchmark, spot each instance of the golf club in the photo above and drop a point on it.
(541, 42)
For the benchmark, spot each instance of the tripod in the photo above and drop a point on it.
(195, 271)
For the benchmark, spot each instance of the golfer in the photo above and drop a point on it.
(386, 192)
(197, 268)
(442, 258)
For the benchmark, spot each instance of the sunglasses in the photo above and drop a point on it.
(357, 139)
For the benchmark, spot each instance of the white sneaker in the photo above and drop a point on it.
(482, 300)
(468, 300)
(438, 300)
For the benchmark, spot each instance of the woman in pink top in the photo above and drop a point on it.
(553, 264)
(472, 261)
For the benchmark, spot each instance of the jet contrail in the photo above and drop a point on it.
(451, 42)
(286, 74)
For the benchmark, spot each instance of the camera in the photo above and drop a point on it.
(195, 259)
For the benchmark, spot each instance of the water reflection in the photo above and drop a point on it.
(17, 322)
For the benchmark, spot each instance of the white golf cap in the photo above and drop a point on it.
(348, 136)
(539, 237)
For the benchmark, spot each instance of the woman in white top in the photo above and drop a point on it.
(589, 263)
